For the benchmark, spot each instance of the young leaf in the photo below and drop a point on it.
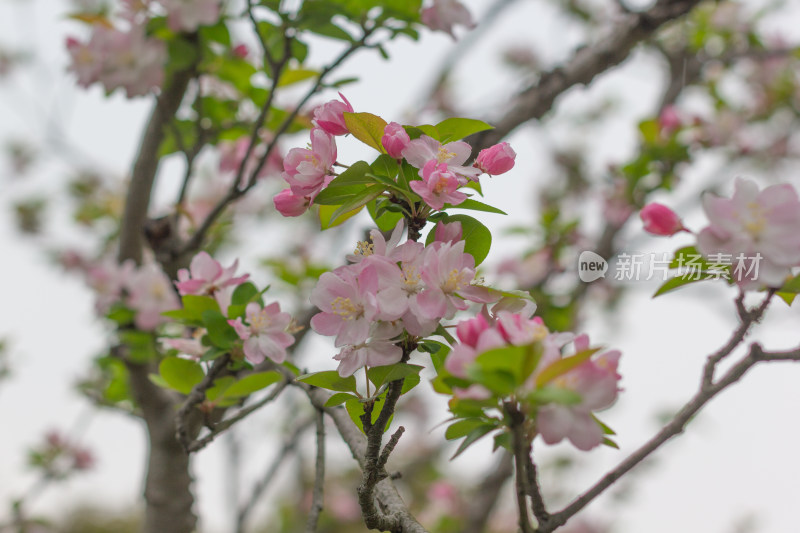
(472, 438)
(330, 380)
(345, 185)
(327, 220)
(679, 281)
(339, 398)
(462, 428)
(379, 375)
(180, 374)
(562, 366)
(453, 129)
(367, 128)
(220, 332)
(474, 205)
(252, 383)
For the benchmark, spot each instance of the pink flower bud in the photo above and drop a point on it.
(448, 232)
(660, 220)
(395, 139)
(469, 331)
(496, 159)
(330, 116)
(290, 205)
(240, 51)
(669, 121)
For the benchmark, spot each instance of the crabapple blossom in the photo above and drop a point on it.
(379, 350)
(660, 220)
(206, 276)
(395, 139)
(305, 169)
(379, 246)
(447, 232)
(330, 116)
(496, 159)
(454, 154)
(595, 381)
(108, 278)
(438, 186)
(448, 274)
(444, 14)
(191, 347)
(761, 226)
(117, 59)
(188, 15)
(231, 155)
(265, 334)
(150, 295)
(348, 303)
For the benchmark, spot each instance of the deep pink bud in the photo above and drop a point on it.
(395, 139)
(330, 116)
(470, 330)
(290, 205)
(669, 121)
(496, 159)
(660, 220)
(240, 51)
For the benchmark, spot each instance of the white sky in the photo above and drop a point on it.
(738, 458)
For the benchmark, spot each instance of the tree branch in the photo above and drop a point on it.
(589, 61)
(319, 475)
(486, 493)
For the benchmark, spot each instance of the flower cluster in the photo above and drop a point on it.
(389, 288)
(59, 457)
(442, 15)
(119, 59)
(589, 386)
(144, 289)
(442, 169)
(758, 230)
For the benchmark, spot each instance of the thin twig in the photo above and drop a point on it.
(195, 398)
(224, 425)
(289, 447)
(319, 475)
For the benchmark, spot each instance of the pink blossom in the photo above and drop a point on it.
(595, 380)
(191, 347)
(306, 169)
(447, 232)
(754, 222)
(379, 246)
(444, 14)
(265, 334)
(289, 204)
(347, 299)
(108, 278)
(379, 350)
(518, 330)
(330, 116)
(473, 392)
(150, 295)
(448, 273)
(395, 139)
(660, 220)
(206, 276)
(438, 186)
(117, 59)
(496, 159)
(188, 15)
(420, 151)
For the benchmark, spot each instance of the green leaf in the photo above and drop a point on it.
(790, 290)
(559, 395)
(141, 345)
(477, 237)
(290, 77)
(193, 308)
(327, 219)
(244, 294)
(387, 220)
(180, 374)
(410, 382)
(562, 366)
(252, 383)
(182, 54)
(679, 281)
(357, 202)
(474, 205)
(355, 408)
(473, 437)
(346, 185)
(217, 33)
(220, 332)
(330, 380)
(379, 375)
(502, 439)
(367, 128)
(339, 398)
(462, 428)
(453, 129)
(217, 390)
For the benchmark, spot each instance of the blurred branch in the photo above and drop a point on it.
(289, 447)
(486, 494)
(182, 430)
(587, 62)
(677, 425)
(319, 475)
